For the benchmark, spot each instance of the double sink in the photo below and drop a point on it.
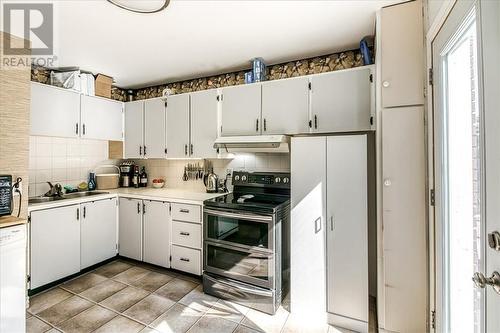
(43, 199)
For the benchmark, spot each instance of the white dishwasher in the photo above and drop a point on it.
(13, 279)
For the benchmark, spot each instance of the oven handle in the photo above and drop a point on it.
(239, 286)
(255, 253)
(252, 217)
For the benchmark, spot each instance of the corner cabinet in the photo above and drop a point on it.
(156, 232)
(130, 228)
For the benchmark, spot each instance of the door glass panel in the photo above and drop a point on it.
(462, 181)
(242, 232)
(239, 262)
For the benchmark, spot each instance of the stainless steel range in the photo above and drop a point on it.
(245, 234)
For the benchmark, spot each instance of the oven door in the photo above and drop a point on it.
(235, 228)
(253, 267)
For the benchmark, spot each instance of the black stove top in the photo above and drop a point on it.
(260, 192)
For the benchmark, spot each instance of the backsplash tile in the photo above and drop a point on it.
(62, 160)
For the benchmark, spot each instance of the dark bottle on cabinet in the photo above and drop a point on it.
(143, 178)
(135, 177)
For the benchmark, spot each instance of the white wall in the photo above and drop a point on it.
(62, 160)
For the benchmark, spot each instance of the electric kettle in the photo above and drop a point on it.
(211, 182)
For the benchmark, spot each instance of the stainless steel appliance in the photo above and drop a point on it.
(126, 173)
(246, 247)
(5, 195)
(211, 182)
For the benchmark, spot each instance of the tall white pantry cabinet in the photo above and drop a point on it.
(329, 229)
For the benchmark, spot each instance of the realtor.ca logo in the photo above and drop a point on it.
(30, 34)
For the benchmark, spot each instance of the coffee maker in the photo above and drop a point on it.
(126, 173)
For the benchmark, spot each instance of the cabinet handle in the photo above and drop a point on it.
(84, 211)
(185, 259)
(191, 149)
(332, 223)
(78, 214)
(83, 129)
(140, 150)
(138, 208)
(76, 128)
(183, 233)
(144, 150)
(185, 149)
(315, 121)
(257, 125)
(143, 208)
(317, 226)
(265, 125)
(183, 210)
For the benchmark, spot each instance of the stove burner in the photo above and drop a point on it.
(245, 197)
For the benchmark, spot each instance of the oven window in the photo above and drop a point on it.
(240, 232)
(238, 262)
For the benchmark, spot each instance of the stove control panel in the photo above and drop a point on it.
(261, 179)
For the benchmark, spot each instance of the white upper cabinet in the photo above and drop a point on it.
(54, 111)
(285, 106)
(102, 118)
(203, 124)
(402, 58)
(156, 233)
(178, 126)
(133, 147)
(154, 128)
(241, 110)
(342, 101)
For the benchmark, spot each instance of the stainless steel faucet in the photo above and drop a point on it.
(55, 190)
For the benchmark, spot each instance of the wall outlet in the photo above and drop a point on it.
(229, 172)
(18, 189)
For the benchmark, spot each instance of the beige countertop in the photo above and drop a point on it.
(9, 221)
(149, 193)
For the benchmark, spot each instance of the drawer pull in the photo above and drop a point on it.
(185, 259)
(183, 233)
(183, 210)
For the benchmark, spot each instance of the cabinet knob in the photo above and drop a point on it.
(386, 84)
(387, 182)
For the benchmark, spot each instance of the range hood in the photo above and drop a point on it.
(254, 144)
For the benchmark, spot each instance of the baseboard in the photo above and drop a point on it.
(348, 323)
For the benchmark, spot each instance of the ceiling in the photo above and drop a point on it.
(197, 38)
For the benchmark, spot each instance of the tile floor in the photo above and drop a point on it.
(122, 297)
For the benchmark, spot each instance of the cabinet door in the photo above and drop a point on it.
(203, 124)
(347, 231)
(241, 110)
(98, 231)
(402, 55)
(55, 244)
(157, 233)
(285, 106)
(154, 128)
(130, 228)
(403, 204)
(54, 111)
(133, 129)
(307, 230)
(178, 126)
(341, 101)
(102, 118)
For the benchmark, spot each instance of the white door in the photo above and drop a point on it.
(347, 231)
(203, 124)
(178, 126)
(54, 111)
(98, 231)
(307, 230)
(341, 101)
(285, 106)
(467, 168)
(157, 233)
(401, 53)
(102, 118)
(241, 110)
(154, 128)
(134, 116)
(130, 228)
(54, 244)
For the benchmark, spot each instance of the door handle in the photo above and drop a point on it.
(481, 281)
(76, 128)
(184, 259)
(143, 208)
(185, 149)
(257, 125)
(183, 210)
(191, 149)
(78, 214)
(144, 150)
(332, 223)
(84, 211)
(265, 124)
(140, 150)
(183, 233)
(494, 240)
(138, 208)
(317, 226)
(315, 121)
(83, 129)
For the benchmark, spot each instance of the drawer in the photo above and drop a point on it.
(186, 260)
(186, 234)
(185, 212)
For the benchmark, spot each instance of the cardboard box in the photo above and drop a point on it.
(103, 85)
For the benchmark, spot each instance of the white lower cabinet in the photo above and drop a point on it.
(130, 228)
(186, 259)
(186, 234)
(98, 231)
(329, 218)
(156, 233)
(55, 244)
